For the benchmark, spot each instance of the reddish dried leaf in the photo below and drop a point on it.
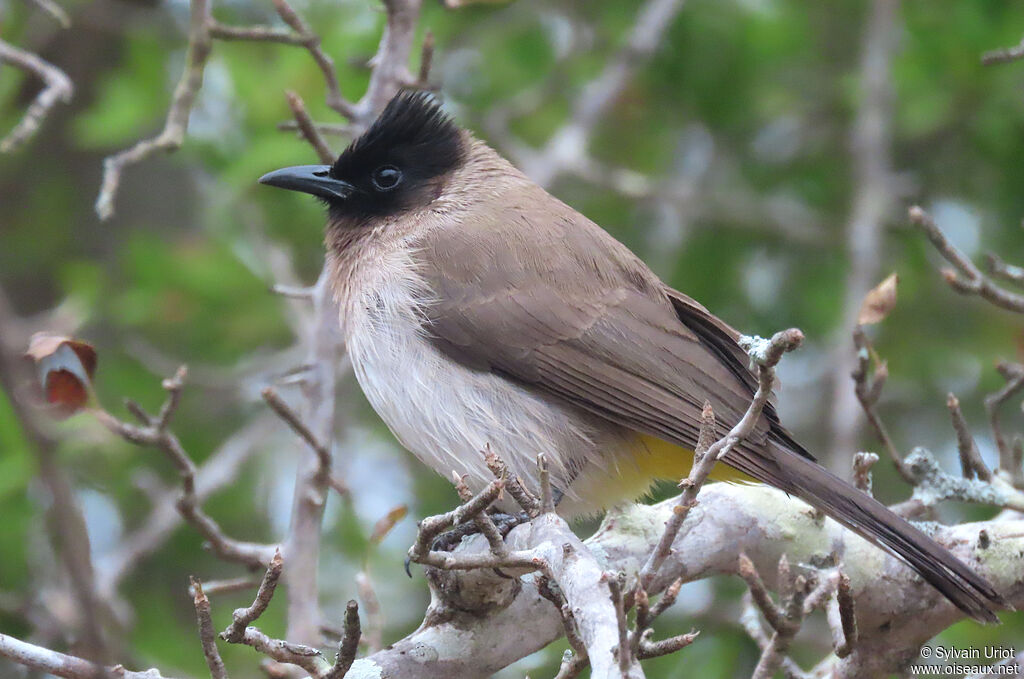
(384, 525)
(64, 367)
(879, 302)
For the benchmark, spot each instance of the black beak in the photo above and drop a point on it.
(314, 179)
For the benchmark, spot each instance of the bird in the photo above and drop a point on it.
(479, 311)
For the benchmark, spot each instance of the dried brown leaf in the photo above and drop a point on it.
(879, 301)
(387, 522)
(65, 368)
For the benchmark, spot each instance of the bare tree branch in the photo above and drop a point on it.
(155, 432)
(868, 389)
(1003, 55)
(349, 643)
(203, 29)
(207, 635)
(896, 610)
(63, 665)
(57, 87)
(240, 630)
(970, 457)
(964, 277)
(1013, 373)
(308, 129)
(200, 43)
(872, 202)
(567, 146)
(220, 469)
(55, 11)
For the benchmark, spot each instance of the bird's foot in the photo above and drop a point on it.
(450, 539)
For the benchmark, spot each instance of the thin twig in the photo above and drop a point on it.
(970, 457)
(255, 34)
(625, 656)
(307, 128)
(207, 635)
(862, 464)
(218, 470)
(759, 592)
(785, 620)
(1007, 272)
(766, 354)
(311, 41)
(868, 391)
(155, 432)
(547, 502)
(57, 87)
(1013, 373)
(240, 630)
(520, 493)
(55, 11)
(200, 43)
(337, 129)
(215, 587)
(751, 623)
(426, 60)
(323, 452)
(242, 617)
(572, 632)
(842, 618)
(656, 649)
(349, 643)
(965, 277)
(1004, 54)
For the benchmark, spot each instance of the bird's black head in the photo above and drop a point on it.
(398, 164)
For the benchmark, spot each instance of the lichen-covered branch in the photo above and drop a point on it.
(895, 610)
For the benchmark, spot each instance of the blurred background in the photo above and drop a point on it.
(759, 154)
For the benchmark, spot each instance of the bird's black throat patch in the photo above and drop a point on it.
(400, 162)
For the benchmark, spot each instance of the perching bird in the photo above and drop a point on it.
(480, 310)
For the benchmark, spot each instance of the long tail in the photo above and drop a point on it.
(798, 474)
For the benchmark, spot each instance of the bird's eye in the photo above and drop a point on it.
(387, 177)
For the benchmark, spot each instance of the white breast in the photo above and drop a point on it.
(445, 413)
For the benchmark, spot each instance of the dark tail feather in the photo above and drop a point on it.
(875, 522)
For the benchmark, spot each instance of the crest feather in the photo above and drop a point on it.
(413, 126)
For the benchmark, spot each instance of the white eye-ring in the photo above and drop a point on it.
(386, 177)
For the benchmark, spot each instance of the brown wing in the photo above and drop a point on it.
(564, 307)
